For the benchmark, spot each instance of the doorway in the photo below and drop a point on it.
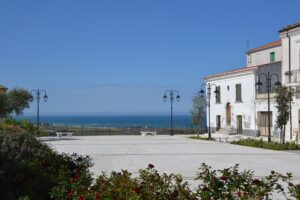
(228, 114)
(239, 124)
(263, 125)
(218, 120)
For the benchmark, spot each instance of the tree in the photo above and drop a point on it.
(198, 110)
(14, 102)
(283, 97)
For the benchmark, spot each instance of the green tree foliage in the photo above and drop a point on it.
(14, 102)
(198, 110)
(283, 97)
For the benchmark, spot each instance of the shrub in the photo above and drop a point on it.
(23, 126)
(229, 183)
(148, 185)
(267, 145)
(29, 168)
(201, 138)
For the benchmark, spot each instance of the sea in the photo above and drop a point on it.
(159, 121)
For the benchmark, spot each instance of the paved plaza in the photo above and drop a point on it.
(175, 154)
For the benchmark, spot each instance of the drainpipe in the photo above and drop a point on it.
(291, 129)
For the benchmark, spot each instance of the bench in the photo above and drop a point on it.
(219, 139)
(144, 133)
(60, 134)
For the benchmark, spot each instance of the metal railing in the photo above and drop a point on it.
(51, 130)
(295, 76)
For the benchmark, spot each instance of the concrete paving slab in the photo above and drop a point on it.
(175, 154)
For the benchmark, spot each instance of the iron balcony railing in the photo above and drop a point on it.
(295, 76)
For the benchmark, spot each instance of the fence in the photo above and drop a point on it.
(89, 130)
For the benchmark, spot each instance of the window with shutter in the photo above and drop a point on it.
(238, 92)
(218, 94)
(272, 56)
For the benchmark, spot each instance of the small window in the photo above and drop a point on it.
(238, 93)
(218, 94)
(272, 57)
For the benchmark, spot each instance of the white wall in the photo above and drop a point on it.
(263, 57)
(244, 108)
(295, 65)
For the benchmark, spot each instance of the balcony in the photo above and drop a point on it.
(264, 96)
(295, 76)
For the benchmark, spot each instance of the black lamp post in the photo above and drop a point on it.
(259, 84)
(171, 94)
(202, 92)
(38, 93)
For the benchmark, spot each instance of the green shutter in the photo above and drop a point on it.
(272, 56)
(218, 94)
(238, 92)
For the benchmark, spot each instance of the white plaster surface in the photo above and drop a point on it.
(176, 154)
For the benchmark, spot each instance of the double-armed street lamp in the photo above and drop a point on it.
(208, 97)
(38, 92)
(268, 85)
(171, 95)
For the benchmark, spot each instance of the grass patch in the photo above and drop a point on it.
(266, 145)
(201, 138)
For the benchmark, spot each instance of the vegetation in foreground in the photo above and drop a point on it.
(267, 145)
(29, 169)
(201, 138)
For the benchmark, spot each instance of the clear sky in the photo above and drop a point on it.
(118, 56)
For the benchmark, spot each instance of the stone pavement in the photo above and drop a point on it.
(176, 154)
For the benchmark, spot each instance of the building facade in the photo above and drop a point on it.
(232, 106)
(290, 37)
(241, 106)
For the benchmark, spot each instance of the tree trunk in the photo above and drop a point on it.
(283, 135)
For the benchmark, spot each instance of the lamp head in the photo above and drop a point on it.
(278, 84)
(45, 97)
(165, 98)
(178, 98)
(258, 85)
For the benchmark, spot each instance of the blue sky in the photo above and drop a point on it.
(118, 57)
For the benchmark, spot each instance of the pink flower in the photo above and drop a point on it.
(98, 196)
(81, 197)
(70, 193)
(255, 181)
(151, 166)
(137, 190)
(223, 178)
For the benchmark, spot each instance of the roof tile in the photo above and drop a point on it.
(291, 26)
(266, 46)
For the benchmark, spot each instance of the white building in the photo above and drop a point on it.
(241, 107)
(233, 108)
(290, 37)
